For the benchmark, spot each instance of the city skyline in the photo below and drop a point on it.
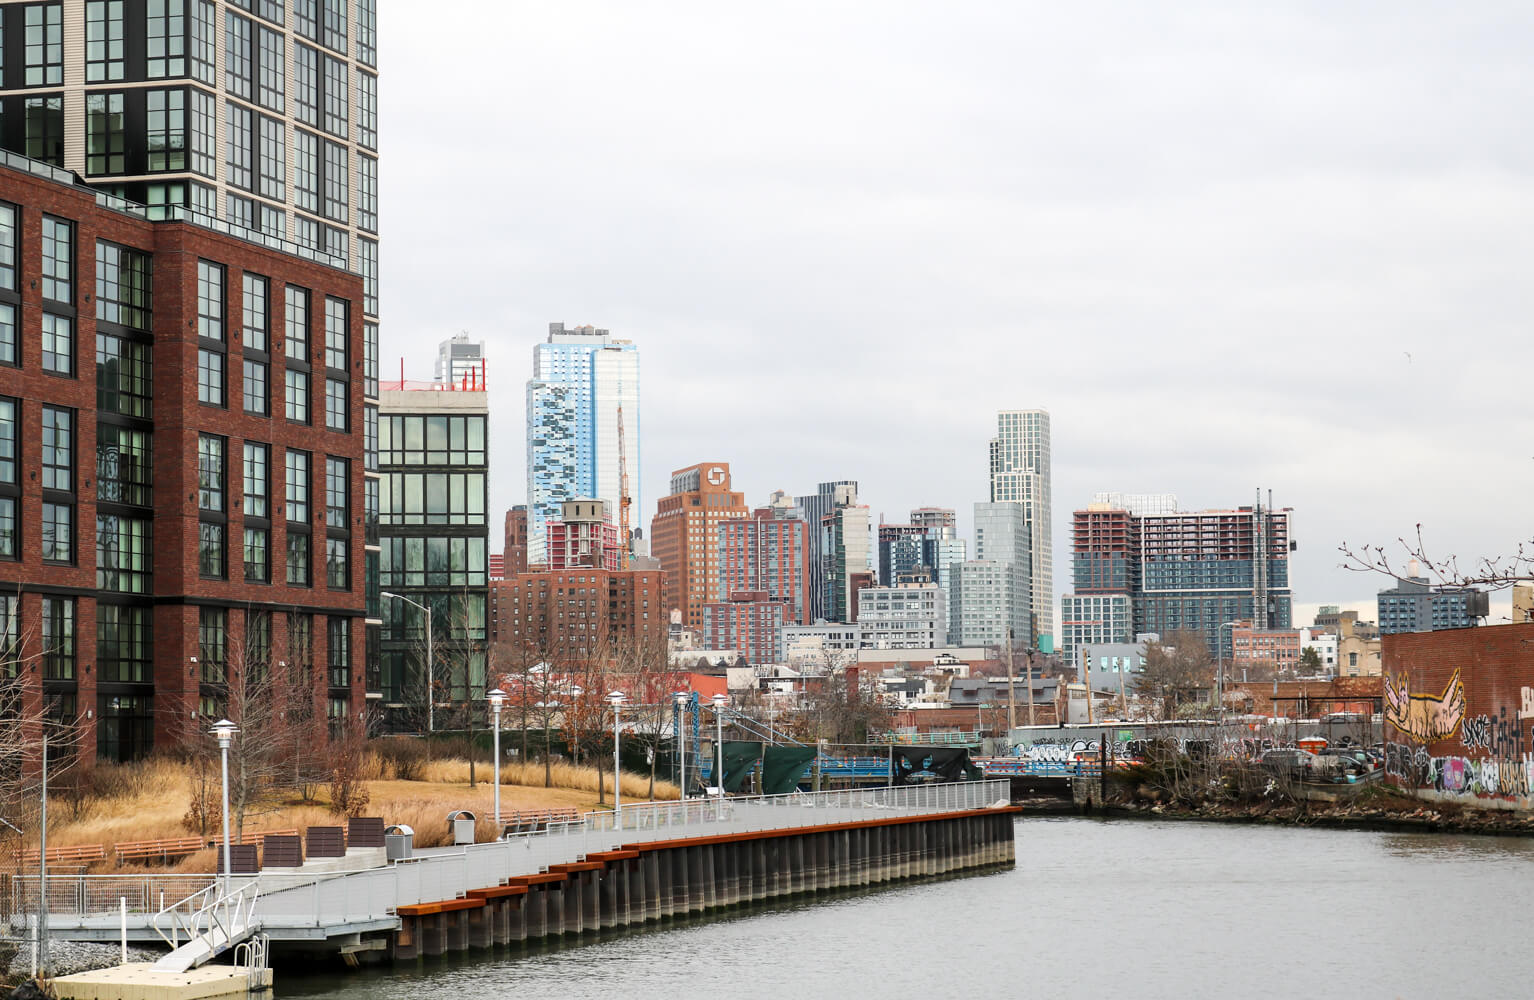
(1244, 261)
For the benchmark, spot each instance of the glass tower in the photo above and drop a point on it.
(1020, 460)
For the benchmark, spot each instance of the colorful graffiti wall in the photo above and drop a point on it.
(1459, 707)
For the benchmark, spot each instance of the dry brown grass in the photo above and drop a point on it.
(146, 801)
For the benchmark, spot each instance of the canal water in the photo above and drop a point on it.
(1094, 908)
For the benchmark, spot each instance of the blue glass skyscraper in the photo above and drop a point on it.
(582, 377)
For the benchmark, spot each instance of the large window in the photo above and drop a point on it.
(417, 440)
(210, 473)
(270, 54)
(257, 479)
(213, 644)
(165, 121)
(58, 532)
(105, 139)
(10, 411)
(367, 110)
(58, 260)
(8, 246)
(432, 498)
(204, 135)
(339, 643)
(103, 41)
(367, 193)
(124, 644)
(367, 32)
(58, 344)
(210, 300)
(58, 449)
(335, 181)
(239, 129)
(124, 465)
(254, 288)
(297, 485)
(58, 638)
(336, 332)
(123, 376)
(298, 568)
(334, 24)
(273, 162)
(296, 322)
(44, 44)
(336, 415)
(297, 400)
(44, 129)
(337, 492)
(335, 96)
(124, 556)
(306, 84)
(210, 550)
(432, 562)
(337, 571)
(210, 377)
(258, 559)
(123, 287)
(237, 54)
(165, 47)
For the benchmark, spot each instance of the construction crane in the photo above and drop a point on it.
(624, 500)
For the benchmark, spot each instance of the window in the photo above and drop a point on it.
(103, 41)
(237, 55)
(367, 110)
(336, 244)
(44, 44)
(213, 643)
(204, 138)
(270, 9)
(210, 473)
(257, 555)
(165, 118)
(105, 141)
(306, 232)
(58, 260)
(271, 221)
(210, 300)
(367, 193)
(239, 129)
(336, 404)
(306, 18)
(298, 485)
(335, 182)
(254, 294)
(337, 488)
(124, 644)
(58, 449)
(298, 396)
(296, 322)
(124, 465)
(210, 377)
(165, 47)
(44, 125)
(334, 24)
(58, 638)
(258, 642)
(58, 344)
(123, 287)
(335, 96)
(336, 331)
(270, 92)
(306, 85)
(339, 644)
(256, 388)
(210, 550)
(256, 480)
(337, 575)
(204, 40)
(240, 211)
(9, 409)
(124, 555)
(58, 532)
(273, 162)
(367, 32)
(298, 559)
(8, 232)
(370, 360)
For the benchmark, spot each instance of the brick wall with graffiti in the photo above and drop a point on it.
(1458, 712)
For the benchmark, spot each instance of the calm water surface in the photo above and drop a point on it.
(1094, 908)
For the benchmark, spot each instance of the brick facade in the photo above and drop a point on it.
(177, 590)
(576, 614)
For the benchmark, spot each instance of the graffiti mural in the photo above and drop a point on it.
(1425, 717)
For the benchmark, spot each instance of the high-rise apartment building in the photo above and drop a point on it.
(460, 362)
(983, 603)
(1105, 569)
(584, 536)
(582, 400)
(572, 615)
(749, 622)
(434, 537)
(844, 556)
(1415, 605)
(814, 508)
(515, 543)
(684, 536)
(768, 552)
(1020, 473)
(1003, 537)
(181, 448)
(904, 616)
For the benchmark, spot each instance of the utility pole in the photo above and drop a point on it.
(1012, 688)
(1030, 686)
(1086, 677)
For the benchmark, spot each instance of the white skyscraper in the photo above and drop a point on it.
(1020, 474)
(460, 359)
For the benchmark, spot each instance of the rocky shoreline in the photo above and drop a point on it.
(1342, 815)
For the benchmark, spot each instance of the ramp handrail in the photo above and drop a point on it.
(205, 911)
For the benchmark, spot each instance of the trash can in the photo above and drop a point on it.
(399, 842)
(462, 821)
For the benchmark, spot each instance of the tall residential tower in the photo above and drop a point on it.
(1020, 474)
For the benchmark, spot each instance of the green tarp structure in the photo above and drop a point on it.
(740, 756)
(944, 763)
(783, 767)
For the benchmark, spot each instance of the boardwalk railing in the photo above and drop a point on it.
(297, 900)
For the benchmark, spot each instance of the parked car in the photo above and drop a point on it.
(1291, 762)
(1361, 756)
(1338, 764)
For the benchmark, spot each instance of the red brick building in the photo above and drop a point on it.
(750, 623)
(684, 536)
(515, 551)
(576, 614)
(192, 403)
(769, 552)
(583, 537)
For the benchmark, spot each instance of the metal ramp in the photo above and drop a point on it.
(759, 729)
(206, 924)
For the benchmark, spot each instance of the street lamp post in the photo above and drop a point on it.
(224, 731)
(1219, 666)
(497, 698)
(719, 701)
(431, 681)
(680, 698)
(616, 699)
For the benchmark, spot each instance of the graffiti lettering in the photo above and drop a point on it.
(1476, 732)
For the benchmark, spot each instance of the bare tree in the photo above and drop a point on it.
(1491, 572)
(1175, 668)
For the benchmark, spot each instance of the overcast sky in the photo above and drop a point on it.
(1225, 247)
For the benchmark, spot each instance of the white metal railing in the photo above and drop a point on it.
(206, 913)
(316, 900)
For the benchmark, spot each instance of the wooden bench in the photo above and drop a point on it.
(82, 854)
(161, 850)
(253, 837)
(534, 820)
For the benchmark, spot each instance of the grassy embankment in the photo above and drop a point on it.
(149, 800)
